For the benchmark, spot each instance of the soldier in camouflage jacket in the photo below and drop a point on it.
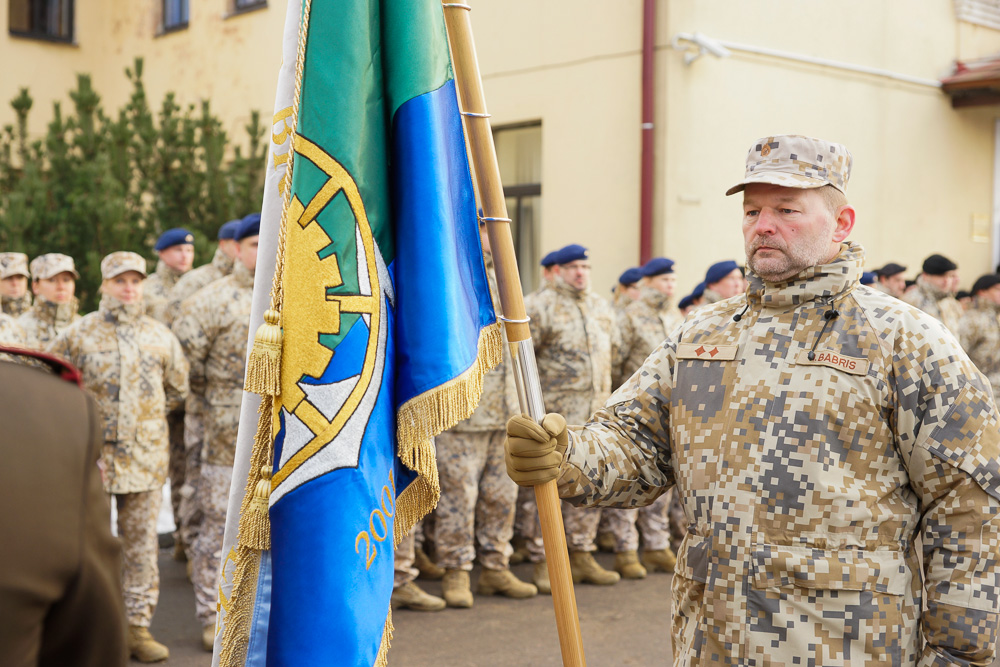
(15, 297)
(979, 329)
(934, 291)
(53, 278)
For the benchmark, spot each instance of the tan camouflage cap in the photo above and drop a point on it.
(119, 262)
(794, 161)
(13, 264)
(52, 264)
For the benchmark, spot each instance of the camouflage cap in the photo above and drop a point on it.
(13, 264)
(794, 161)
(119, 262)
(52, 264)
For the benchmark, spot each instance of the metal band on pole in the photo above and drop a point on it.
(494, 208)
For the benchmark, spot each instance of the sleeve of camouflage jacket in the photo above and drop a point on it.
(620, 351)
(948, 433)
(621, 458)
(61, 347)
(175, 375)
(196, 343)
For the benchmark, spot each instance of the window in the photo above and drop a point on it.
(175, 14)
(43, 19)
(980, 12)
(519, 152)
(244, 5)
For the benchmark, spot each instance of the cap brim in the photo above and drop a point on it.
(795, 181)
(118, 273)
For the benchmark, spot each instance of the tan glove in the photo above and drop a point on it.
(534, 453)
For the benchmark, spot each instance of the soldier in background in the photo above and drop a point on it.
(53, 281)
(979, 329)
(722, 281)
(213, 327)
(220, 267)
(405, 591)
(627, 290)
(475, 515)
(15, 298)
(575, 336)
(644, 325)
(935, 287)
(891, 280)
(135, 369)
(964, 299)
(685, 304)
(175, 248)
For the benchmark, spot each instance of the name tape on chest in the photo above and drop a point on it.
(707, 352)
(852, 365)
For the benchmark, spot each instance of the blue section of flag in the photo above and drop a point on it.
(439, 267)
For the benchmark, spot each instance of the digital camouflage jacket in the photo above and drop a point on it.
(644, 324)
(192, 281)
(11, 333)
(47, 319)
(932, 301)
(156, 291)
(135, 369)
(806, 482)
(979, 331)
(15, 306)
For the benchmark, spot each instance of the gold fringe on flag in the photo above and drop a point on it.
(424, 416)
(382, 659)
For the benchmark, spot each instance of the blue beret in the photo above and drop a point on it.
(630, 276)
(685, 302)
(720, 270)
(172, 237)
(868, 278)
(657, 266)
(570, 253)
(228, 230)
(249, 226)
(549, 259)
(698, 291)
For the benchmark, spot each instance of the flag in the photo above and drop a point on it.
(369, 220)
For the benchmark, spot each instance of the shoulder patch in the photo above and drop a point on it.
(852, 365)
(707, 351)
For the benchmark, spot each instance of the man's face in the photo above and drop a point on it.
(229, 247)
(955, 279)
(894, 284)
(126, 287)
(179, 257)
(992, 294)
(729, 286)
(549, 273)
(247, 253)
(60, 288)
(942, 282)
(576, 274)
(786, 230)
(665, 283)
(14, 287)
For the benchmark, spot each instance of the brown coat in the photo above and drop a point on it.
(60, 568)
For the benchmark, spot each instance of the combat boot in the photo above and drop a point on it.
(520, 550)
(587, 570)
(627, 564)
(455, 589)
(503, 582)
(606, 542)
(208, 637)
(411, 596)
(428, 569)
(143, 647)
(660, 560)
(541, 578)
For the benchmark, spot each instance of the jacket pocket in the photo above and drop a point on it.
(688, 592)
(846, 569)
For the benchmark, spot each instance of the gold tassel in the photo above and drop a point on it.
(255, 525)
(264, 365)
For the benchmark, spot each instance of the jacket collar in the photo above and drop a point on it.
(56, 313)
(656, 299)
(823, 281)
(222, 262)
(169, 275)
(564, 288)
(930, 291)
(114, 310)
(242, 275)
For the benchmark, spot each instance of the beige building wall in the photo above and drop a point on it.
(923, 179)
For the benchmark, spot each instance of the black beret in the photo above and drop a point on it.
(938, 265)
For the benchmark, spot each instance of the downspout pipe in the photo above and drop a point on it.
(648, 111)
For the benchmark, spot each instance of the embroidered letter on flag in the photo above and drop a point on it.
(387, 323)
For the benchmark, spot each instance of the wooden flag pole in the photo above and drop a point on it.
(494, 207)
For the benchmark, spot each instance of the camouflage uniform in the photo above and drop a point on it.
(644, 325)
(14, 264)
(135, 369)
(11, 332)
(979, 332)
(195, 279)
(156, 292)
(477, 497)
(937, 303)
(808, 482)
(213, 326)
(575, 337)
(15, 307)
(46, 320)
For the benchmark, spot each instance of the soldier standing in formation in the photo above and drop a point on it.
(135, 369)
(575, 337)
(220, 267)
(979, 329)
(722, 281)
(213, 328)
(627, 290)
(175, 248)
(935, 291)
(644, 324)
(475, 515)
(820, 433)
(53, 281)
(15, 298)
(890, 280)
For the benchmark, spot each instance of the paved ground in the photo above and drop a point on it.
(625, 624)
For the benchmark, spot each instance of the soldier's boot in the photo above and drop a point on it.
(541, 578)
(208, 636)
(503, 582)
(428, 569)
(520, 550)
(606, 542)
(587, 570)
(455, 589)
(660, 560)
(411, 596)
(627, 564)
(143, 647)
